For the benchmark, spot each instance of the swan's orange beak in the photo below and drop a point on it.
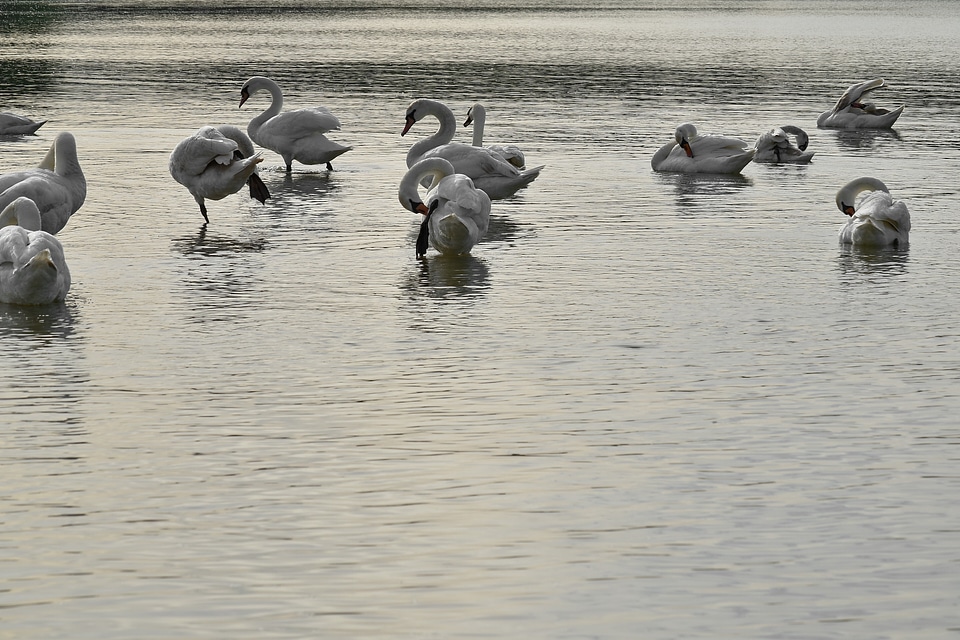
(848, 209)
(686, 147)
(421, 208)
(244, 96)
(410, 123)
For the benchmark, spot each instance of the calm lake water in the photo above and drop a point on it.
(646, 406)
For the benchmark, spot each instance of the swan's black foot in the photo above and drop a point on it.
(329, 167)
(258, 190)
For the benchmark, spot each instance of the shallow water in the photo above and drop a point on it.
(645, 406)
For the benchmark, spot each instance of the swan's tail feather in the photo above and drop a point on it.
(529, 175)
(258, 190)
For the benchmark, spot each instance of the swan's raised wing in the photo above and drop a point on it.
(857, 91)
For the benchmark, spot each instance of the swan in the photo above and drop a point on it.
(213, 163)
(878, 221)
(775, 146)
(693, 153)
(12, 125)
(851, 112)
(295, 135)
(456, 213)
(32, 266)
(477, 115)
(490, 173)
(56, 186)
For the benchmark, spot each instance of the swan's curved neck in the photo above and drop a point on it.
(276, 103)
(22, 212)
(448, 126)
(409, 193)
(479, 115)
(847, 196)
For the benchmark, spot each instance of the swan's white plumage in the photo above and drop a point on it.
(457, 213)
(211, 164)
(57, 186)
(488, 170)
(877, 220)
(851, 112)
(32, 267)
(12, 124)
(775, 146)
(295, 135)
(693, 153)
(477, 116)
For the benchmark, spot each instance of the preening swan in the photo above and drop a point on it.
(851, 112)
(477, 115)
(456, 213)
(878, 220)
(490, 172)
(32, 266)
(295, 135)
(775, 146)
(212, 164)
(56, 186)
(693, 153)
(12, 125)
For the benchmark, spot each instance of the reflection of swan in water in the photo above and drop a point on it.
(851, 112)
(695, 190)
(54, 321)
(866, 139)
(200, 244)
(694, 153)
(877, 220)
(855, 263)
(462, 277)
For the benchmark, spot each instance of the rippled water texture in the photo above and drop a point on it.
(646, 406)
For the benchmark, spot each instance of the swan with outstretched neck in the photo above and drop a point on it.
(216, 162)
(775, 146)
(693, 153)
(877, 220)
(57, 186)
(295, 135)
(32, 267)
(490, 172)
(12, 124)
(456, 213)
(477, 116)
(851, 112)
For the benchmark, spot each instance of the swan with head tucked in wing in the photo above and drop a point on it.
(456, 213)
(13, 125)
(851, 112)
(693, 153)
(775, 146)
(57, 186)
(477, 116)
(295, 135)
(877, 220)
(212, 165)
(32, 267)
(488, 170)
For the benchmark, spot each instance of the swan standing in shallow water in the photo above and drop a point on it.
(295, 135)
(775, 146)
(851, 112)
(490, 172)
(456, 213)
(32, 267)
(693, 153)
(878, 220)
(13, 125)
(212, 164)
(477, 116)
(57, 186)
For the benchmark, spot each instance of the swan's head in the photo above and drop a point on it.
(254, 84)
(847, 196)
(415, 112)
(423, 107)
(474, 113)
(684, 134)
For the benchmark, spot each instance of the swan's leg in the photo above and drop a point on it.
(203, 209)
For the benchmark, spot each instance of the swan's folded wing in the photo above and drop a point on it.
(193, 154)
(301, 123)
(41, 189)
(13, 243)
(717, 146)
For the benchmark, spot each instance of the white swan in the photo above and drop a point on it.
(32, 267)
(878, 220)
(477, 116)
(775, 146)
(295, 135)
(212, 164)
(456, 213)
(56, 186)
(11, 124)
(693, 153)
(490, 173)
(851, 112)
